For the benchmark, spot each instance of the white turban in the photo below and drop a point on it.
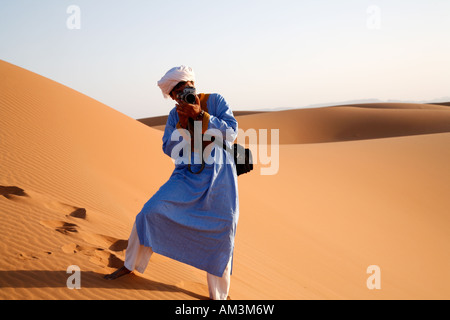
(173, 77)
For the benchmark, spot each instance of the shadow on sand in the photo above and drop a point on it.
(88, 279)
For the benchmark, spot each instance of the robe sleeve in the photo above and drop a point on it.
(223, 119)
(172, 124)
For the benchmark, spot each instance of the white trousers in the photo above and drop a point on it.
(137, 257)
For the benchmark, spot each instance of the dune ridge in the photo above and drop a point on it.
(347, 123)
(356, 186)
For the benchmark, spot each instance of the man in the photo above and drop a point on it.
(193, 217)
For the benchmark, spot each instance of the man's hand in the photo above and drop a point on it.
(186, 110)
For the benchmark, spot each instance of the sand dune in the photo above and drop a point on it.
(334, 209)
(68, 152)
(76, 172)
(357, 122)
(447, 104)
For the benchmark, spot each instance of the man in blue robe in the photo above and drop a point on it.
(193, 217)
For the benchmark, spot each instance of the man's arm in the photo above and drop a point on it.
(223, 120)
(172, 124)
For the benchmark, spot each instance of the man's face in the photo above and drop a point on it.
(179, 89)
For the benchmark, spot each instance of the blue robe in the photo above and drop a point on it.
(192, 218)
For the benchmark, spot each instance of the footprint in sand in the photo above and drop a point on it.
(111, 243)
(11, 192)
(104, 258)
(60, 226)
(98, 256)
(37, 199)
(79, 213)
(103, 247)
(97, 240)
(28, 256)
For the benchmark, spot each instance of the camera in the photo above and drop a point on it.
(188, 95)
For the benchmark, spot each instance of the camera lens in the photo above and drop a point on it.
(190, 98)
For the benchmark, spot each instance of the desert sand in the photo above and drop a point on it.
(357, 186)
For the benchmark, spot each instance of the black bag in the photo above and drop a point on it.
(242, 158)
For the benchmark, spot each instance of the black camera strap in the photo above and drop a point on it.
(242, 156)
(212, 139)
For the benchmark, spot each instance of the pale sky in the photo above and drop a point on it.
(258, 54)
